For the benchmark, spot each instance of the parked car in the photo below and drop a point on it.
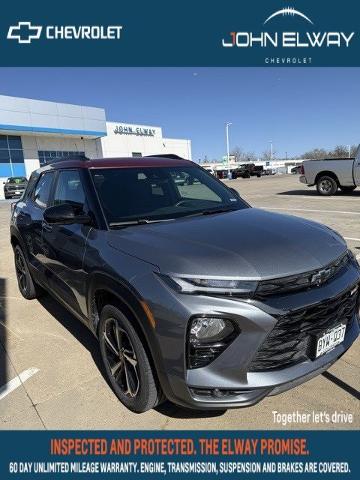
(257, 171)
(247, 170)
(297, 169)
(14, 187)
(177, 284)
(242, 172)
(331, 174)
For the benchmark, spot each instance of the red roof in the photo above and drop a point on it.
(128, 162)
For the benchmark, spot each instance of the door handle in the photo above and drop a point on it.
(47, 227)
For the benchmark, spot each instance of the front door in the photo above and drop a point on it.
(64, 245)
(30, 219)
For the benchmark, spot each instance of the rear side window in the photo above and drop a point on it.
(42, 190)
(69, 189)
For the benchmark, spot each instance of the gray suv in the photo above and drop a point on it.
(14, 187)
(193, 295)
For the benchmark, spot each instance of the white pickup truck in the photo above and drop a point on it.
(331, 174)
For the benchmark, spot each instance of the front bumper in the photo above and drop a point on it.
(262, 384)
(228, 380)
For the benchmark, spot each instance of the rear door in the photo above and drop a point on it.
(64, 245)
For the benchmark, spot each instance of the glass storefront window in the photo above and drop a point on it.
(11, 156)
(49, 156)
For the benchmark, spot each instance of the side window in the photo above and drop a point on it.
(30, 186)
(42, 190)
(69, 189)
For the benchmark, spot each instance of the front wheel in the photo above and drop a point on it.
(326, 186)
(126, 362)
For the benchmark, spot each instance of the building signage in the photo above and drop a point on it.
(139, 131)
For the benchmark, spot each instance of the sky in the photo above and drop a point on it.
(296, 108)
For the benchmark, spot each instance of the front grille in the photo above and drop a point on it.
(14, 187)
(302, 281)
(292, 339)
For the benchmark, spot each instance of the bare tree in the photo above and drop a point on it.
(237, 153)
(241, 156)
(315, 154)
(353, 150)
(340, 151)
(267, 156)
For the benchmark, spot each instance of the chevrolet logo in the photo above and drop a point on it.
(321, 276)
(24, 32)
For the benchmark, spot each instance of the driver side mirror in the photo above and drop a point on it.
(65, 214)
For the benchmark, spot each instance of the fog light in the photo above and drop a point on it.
(208, 337)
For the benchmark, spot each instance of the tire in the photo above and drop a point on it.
(28, 288)
(326, 186)
(347, 189)
(129, 371)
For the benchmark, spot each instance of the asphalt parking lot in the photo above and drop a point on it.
(50, 369)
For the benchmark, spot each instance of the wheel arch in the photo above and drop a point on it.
(327, 173)
(103, 290)
(16, 239)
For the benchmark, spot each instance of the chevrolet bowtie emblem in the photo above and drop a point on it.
(24, 32)
(321, 276)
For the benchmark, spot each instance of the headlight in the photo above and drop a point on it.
(211, 285)
(204, 329)
(208, 337)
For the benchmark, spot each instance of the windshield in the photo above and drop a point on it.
(17, 180)
(161, 193)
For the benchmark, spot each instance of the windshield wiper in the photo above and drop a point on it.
(219, 210)
(211, 212)
(140, 221)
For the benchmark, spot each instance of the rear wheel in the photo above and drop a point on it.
(326, 185)
(126, 362)
(28, 288)
(347, 189)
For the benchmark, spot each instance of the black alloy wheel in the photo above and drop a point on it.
(126, 362)
(121, 358)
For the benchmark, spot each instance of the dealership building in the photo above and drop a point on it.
(36, 132)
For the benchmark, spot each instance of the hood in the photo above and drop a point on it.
(249, 243)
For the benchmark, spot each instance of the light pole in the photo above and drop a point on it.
(227, 125)
(349, 148)
(271, 150)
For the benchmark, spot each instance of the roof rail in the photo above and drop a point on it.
(168, 155)
(81, 158)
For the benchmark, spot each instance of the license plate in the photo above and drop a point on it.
(17, 192)
(330, 339)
